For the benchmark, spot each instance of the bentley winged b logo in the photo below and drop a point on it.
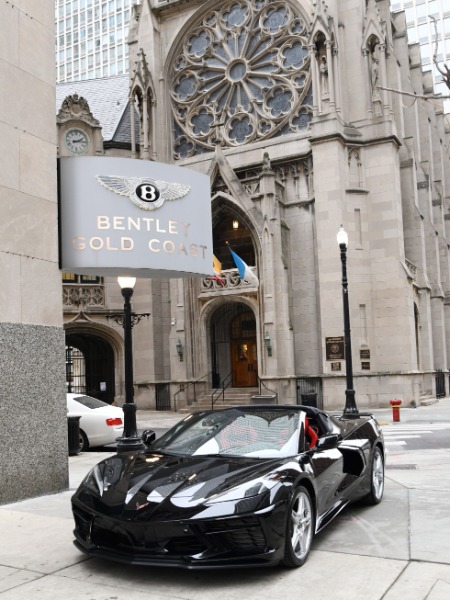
(145, 192)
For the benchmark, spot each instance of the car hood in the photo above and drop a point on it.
(168, 485)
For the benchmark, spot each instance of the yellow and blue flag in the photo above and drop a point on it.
(245, 273)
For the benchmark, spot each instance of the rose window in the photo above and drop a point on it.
(242, 75)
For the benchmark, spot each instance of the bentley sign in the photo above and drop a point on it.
(120, 216)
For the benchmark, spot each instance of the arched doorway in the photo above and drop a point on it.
(90, 366)
(231, 230)
(233, 345)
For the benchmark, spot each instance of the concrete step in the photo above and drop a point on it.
(198, 408)
(428, 401)
(233, 397)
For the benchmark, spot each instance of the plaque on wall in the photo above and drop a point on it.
(336, 366)
(335, 348)
(364, 353)
(365, 366)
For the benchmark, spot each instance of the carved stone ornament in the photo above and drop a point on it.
(243, 74)
(76, 107)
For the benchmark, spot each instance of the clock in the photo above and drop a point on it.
(76, 141)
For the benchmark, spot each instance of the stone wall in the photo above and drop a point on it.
(33, 441)
(33, 422)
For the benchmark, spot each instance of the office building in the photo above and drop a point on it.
(422, 30)
(91, 38)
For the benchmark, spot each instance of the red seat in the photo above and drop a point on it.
(311, 435)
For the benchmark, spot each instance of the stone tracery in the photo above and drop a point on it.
(242, 74)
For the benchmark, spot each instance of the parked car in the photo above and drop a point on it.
(100, 423)
(245, 486)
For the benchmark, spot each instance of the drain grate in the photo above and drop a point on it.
(402, 467)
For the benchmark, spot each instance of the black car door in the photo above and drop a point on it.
(328, 468)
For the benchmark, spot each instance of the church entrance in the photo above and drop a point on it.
(233, 346)
(243, 356)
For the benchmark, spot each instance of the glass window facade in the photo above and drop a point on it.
(85, 28)
(422, 30)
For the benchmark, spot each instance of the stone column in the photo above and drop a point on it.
(145, 153)
(315, 80)
(330, 63)
(132, 125)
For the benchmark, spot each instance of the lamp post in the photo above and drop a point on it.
(130, 441)
(350, 403)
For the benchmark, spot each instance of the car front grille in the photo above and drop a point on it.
(237, 535)
(245, 540)
(227, 537)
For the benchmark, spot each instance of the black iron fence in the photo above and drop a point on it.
(162, 396)
(440, 384)
(309, 391)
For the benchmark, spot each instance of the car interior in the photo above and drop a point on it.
(315, 425)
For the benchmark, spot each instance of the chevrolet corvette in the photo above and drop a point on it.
(245, 486)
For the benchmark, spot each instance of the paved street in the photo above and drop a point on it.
(397, 550)
(417, 437)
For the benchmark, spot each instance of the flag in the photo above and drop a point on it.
(245, 273)
(217, 268)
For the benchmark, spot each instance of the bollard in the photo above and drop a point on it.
(395, 409)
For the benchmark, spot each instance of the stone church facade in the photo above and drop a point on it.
(292, 109)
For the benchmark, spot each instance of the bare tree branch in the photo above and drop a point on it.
(443, 70)
(413, 94)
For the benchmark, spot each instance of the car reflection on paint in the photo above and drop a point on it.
(246, 486)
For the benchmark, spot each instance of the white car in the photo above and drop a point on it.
(100, 423)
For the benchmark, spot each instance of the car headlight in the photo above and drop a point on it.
(103, 476)
(94, 481)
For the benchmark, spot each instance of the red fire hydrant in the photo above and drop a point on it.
(395, 409)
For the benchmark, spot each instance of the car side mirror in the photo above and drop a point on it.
(327, 441)
(148, 437)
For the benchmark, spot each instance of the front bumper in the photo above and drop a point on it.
(249, 540)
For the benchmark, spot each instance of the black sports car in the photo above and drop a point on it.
(246, 486)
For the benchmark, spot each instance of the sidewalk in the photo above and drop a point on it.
(399, 549)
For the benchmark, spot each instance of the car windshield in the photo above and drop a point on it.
(239, 432)
(90, 402)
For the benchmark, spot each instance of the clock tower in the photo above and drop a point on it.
(79, 132)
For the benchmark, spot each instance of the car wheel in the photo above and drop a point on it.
(84, 442)
(299, 529)
(376, 479)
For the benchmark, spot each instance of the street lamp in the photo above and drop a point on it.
(350, 403)
(130, 441)
(179, 347)
(268, 344)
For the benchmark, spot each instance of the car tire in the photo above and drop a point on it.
(84, 442)
(376, 479)
(300, 527)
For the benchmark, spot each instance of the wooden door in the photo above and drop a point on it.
(244, 363)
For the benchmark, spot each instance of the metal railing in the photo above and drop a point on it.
(271, 394)
(221, 391)
(184, 387)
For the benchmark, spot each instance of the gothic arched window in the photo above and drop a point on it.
(242, 75)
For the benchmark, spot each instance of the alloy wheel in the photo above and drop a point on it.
(302, 524)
